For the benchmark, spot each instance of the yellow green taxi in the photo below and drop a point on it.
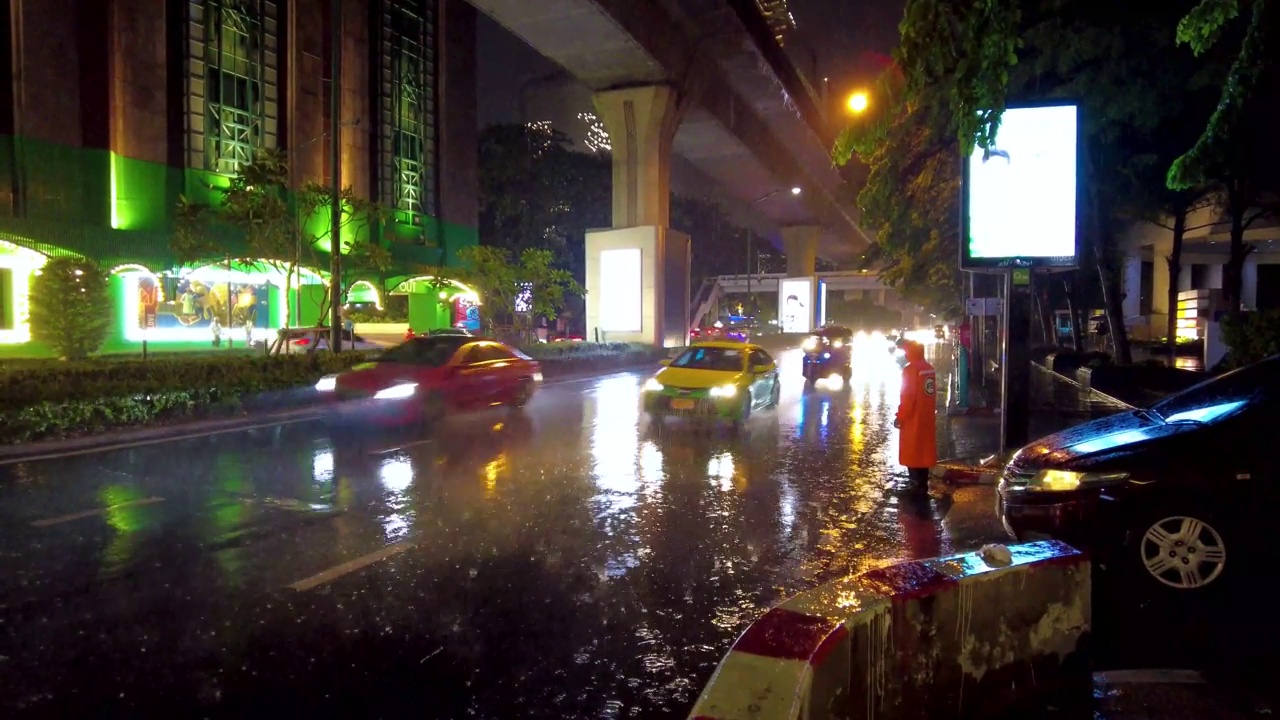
(721, 379)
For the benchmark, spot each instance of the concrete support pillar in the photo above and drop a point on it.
(800, 244)
(641, 122)
(638, 272)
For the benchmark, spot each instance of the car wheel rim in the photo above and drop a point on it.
(1183, 552)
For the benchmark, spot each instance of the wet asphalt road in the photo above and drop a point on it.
(567, 561)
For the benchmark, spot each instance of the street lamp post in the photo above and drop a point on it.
(298, 220)
(795, 190)
(335, 222)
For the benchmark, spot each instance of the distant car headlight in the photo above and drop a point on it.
(810, 343)
(837, 343)
(397, 392)
(1068, 480)
(724, 391)
(652, 385)
(328, 383)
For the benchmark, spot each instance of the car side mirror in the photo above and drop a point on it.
(664, 362)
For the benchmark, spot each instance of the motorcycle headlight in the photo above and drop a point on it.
(1068, 480)
(810, 343)
(396, 392)
(328, 383)
(652, 385)
(724, 391)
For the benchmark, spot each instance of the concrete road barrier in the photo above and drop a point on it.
(993, 634)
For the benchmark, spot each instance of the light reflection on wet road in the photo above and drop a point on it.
(570, 561)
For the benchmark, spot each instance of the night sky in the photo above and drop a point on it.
(844, 34)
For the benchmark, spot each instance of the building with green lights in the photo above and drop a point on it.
(119, 107)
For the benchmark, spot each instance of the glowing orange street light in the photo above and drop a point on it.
(858, 102)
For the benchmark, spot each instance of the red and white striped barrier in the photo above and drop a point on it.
(972, 635)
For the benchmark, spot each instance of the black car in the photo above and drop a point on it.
(1179, 493)
(828, 351)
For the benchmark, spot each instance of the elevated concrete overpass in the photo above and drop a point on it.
(707, 81)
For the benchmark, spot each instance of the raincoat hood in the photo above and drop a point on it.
(914, 351)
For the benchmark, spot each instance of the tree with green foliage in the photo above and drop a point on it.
(1244, 85)
(962, 61)
(259, 219)
(502, 279)
(69, 307)
(1236, 149)
(537, 193)
(911, 199)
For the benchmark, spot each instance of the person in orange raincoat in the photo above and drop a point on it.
(917, 410)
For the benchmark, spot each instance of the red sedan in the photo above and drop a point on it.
(425, 377)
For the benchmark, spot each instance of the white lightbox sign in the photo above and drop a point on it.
(620, 290)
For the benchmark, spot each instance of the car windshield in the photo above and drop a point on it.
(1221, 396)
(711, 358)
(430, 351)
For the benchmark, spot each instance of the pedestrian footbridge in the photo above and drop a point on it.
(714, 289)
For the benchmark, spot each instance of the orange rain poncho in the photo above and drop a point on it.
(917, 411)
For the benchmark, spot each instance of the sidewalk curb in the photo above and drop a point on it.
(124, 437)
(973, 412)
(137, 436)
(968, 471)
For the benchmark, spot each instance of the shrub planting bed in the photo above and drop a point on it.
(65, 399)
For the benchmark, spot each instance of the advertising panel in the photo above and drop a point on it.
(620, 290)
(166, 308)
(1020, 197)
(795, 301)
(466, 313)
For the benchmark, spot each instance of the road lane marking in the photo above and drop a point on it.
(402, 446)
(350, 566)
(93, 513)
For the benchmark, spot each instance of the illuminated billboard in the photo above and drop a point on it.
(620, 290)
(1019, 198)
(795, 305)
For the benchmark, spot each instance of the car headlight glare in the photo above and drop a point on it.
(724, 391)
(1068, 480)
(652, 385)
(838, 343)
(397, 392)
(328, 383)
(810, 343)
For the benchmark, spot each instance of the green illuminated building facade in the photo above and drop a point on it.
(117, 108)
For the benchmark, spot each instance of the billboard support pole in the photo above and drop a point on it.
(1015, 364)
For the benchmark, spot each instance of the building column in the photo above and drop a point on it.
(1131, 284)
(800, 245)
(637, 274)
(1249, 283)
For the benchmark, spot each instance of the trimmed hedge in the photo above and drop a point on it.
(575, 350)
(52, 399)
(55, 400)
